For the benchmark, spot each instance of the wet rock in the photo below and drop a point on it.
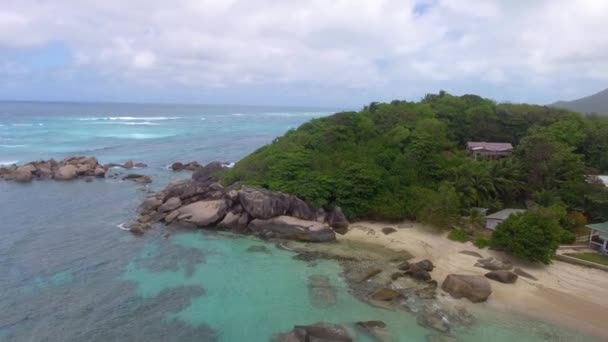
(377, 330)
(404, 266)
(524, 274)
(321, 293)
(432, 318)
(385, 295)
(140, 165)
(494, 264)
(471, 253)
(293, 228)
(258, 249)
(397, 275)
(99, 172)
(440, 338)
(506, 277)
(426, 265)
(170, 205)
(172, 216)
(128, 164)
(473, 287)
(137, 178)
(22, 175)
(235, 222)
(66, 172)
(319, 332)
(337, 220)
(150, 203)
(204, 213)
(369, 273)
(420, 270)
(144, 219)
(177, 166)
(137, 228)
(388, 230)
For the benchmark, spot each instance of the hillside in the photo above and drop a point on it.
(596, 103)
(407, 160)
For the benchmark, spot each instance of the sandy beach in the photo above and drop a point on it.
(568, 295)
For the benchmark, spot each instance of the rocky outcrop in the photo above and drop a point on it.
(506, 277)
(204, 202)
(524, 274)
(473, 287)
(385, 295)
(67, 169)
(137, 178)
(191, 166)
(287, 227)
(319, 332)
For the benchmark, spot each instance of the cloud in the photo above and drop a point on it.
(358, 50)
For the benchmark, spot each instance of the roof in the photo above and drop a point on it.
(489, 146)
(600, 227)
(504, 214)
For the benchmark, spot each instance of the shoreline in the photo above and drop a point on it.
(567, 295)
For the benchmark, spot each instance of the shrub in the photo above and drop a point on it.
(481, 242)
(458, 235)
(533, 236)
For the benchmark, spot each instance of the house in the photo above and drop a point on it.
(493, 220)
(489, 150)
(598, 179)
(598, 237)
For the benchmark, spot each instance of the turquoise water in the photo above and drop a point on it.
(67, 273)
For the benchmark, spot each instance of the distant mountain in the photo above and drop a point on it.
(596, 103)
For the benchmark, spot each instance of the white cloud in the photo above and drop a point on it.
(366, 44)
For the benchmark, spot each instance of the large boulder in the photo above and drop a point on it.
(170, 205)
(177, 166)
(264, 204)
(150, 204)
(235, 221)
(66, 172)
(204, 213)
(189, 190)
(293, 228)
(208, 172)
(506, 277)
(337, 220)
(302, 210)
(22, 174)
(319, 332)
(385, 295)
(473, 287)
(377, 330)
(99, 172)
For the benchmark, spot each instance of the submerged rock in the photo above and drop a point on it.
(321, 292)
(258, 249)
(433, 318)
(319, 332)
(473, 287)
(385, 295)
(137, 178)
(388, 230)
(377, 330)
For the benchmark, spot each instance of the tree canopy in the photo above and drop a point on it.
(408, 160)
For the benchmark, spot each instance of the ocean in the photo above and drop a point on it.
(69, 273)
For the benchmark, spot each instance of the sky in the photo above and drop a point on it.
(297, 52)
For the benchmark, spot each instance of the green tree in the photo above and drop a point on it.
(533, 235)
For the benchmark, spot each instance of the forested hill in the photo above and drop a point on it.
(408, 160)
(596, 103)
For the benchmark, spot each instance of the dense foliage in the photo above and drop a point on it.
(408, 160)
(533, 235)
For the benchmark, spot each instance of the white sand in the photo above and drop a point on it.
(565, 294)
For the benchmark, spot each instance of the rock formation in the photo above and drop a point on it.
(67, 169)
(203, 202)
